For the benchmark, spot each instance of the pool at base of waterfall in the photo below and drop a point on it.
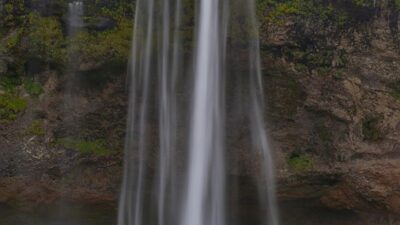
(292, 213)
(62, 214)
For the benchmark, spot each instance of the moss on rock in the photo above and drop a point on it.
(91, 147)
(299, 162)
(10, 107)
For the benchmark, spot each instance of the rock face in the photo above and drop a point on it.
(61, 148)
(335, 119)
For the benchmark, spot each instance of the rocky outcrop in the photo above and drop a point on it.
(338, 114)
(61, 148)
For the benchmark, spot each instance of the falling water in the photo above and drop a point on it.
(75, 24)
(204, 201)
(75, 14)
(70, 104)
(196, 117)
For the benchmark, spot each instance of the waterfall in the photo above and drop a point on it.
(195, 117)
(75, 24)
(75, 14)
(205, 187)
(70, 104)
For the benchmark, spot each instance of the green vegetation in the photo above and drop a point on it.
(370, 128)
(37, 128)
(10, 107)
(34, 33)
(321, 12)
(117, 10)
(9, 83)
(45, 38)
(299, 162)
(326, 14)
(110, 45)
(95, 147)
(33, 88)
(321, 60)
(13, 13)
(362, 3)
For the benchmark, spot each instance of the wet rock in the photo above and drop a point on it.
(101, 24)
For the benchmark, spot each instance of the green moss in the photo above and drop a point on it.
(37, 128)
(311, 10)
(282, 10)
(95, 147)
(370, 128)
(33, 88)
(10, 107)
(299, 162)
(317, 13)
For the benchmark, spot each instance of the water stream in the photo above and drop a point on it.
(75, 24)
(196, 106)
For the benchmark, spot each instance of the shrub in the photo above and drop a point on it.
(45, 39)
(33, 88)
(37, 128)
(112, 45)
(9, 83)
(10, 107)
(12, 13)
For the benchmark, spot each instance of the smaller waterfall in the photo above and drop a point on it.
(75, 24)
(70, 104)
(75, 14)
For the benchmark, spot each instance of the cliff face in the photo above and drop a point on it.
(62, 102)
(333, 87)
(332, 81)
